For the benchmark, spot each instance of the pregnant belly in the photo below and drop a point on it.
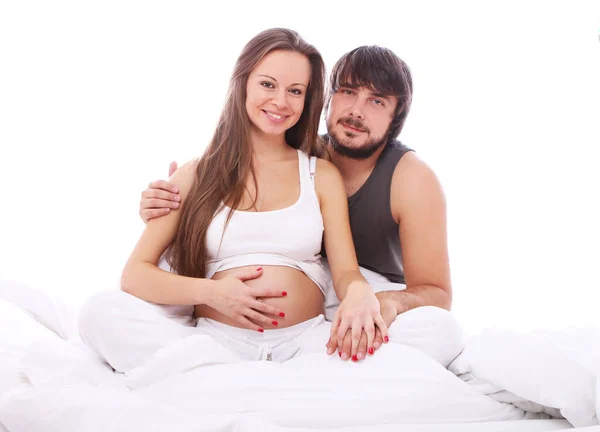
(304, 299)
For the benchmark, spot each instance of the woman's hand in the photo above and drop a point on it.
(232, 297)
(359, 310)
(388, 311)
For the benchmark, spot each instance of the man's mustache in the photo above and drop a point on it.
(352, 122)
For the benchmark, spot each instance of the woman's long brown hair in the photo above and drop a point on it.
(224, 168)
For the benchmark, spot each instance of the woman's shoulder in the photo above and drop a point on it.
(327, 177)
(326, 167)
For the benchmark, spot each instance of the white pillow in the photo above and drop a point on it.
(17, 331)
(551, 368)
(49, 311)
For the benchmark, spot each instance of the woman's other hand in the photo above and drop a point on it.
(358, 312)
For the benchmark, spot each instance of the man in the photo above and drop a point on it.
(396, 203)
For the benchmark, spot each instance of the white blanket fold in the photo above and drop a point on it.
(68, 389)
(552, 371)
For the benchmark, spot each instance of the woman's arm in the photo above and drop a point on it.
(231, 296)
(341, 254)
(359, 308)
(143, 278)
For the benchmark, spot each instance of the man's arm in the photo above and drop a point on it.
(417, 296)
(419, 206)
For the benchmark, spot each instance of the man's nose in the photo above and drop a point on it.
(356, 110)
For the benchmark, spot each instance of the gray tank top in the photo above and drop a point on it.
(374, 230)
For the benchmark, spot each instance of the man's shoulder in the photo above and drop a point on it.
(411, 167)
(413, 179)
(399, 147)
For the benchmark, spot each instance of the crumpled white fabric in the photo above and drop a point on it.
(549, 371)
(70, 390)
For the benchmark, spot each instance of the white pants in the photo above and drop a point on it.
(127, 332)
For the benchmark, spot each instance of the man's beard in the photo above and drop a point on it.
(359, 153)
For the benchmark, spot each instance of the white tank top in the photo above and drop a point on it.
(290, 236)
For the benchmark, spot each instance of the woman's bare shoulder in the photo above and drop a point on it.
(326, 167)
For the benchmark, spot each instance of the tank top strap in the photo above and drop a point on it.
(313, 169)
(306, 177)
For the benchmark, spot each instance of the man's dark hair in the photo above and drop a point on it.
(381, 70)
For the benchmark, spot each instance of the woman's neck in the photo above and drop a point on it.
(268, 146)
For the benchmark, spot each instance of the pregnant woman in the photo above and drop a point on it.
(244, 244)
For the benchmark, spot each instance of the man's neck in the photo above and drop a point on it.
(355, 172)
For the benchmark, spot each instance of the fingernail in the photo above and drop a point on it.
(386, 339)
(281, 314)
(176, 204)
(371, 350)
(261, 330)
(354, 358)
(274, 323)
(376, 345)
(259, 269)
(361, 355)
(344, 356)
(284, 293)
(175, 190)
(340, 354)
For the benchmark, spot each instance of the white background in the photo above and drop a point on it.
(96, 98)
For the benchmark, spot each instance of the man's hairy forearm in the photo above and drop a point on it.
(417, 296)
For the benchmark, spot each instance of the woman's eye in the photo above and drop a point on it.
(267, 84)
(297, 92)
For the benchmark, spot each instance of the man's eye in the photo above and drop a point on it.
(378, 102)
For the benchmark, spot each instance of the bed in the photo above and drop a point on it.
(502, 381)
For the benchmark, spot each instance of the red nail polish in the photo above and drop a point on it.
(354, 358)
(386, 339)
(371, 350)
(259, 269)
(340, 354)
(284, 294)
(261, 330)
(274, 323)
(281, 314)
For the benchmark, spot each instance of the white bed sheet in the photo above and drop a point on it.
(70, 387)
(503, 426)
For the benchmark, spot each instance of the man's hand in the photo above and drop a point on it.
(159, 198)
(388, 312)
